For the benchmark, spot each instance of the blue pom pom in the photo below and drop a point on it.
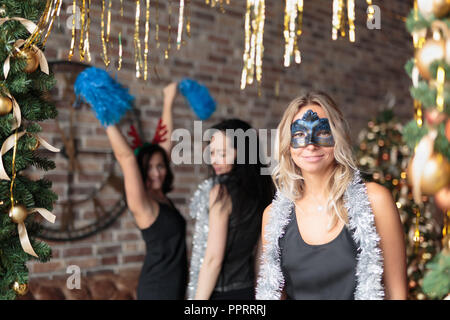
(198, 97)
(106, 96)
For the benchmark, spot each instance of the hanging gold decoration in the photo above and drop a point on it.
(416, 238)
(440, 80)
(188, 18)
(180, 24)
(119, 63)
(83, 19)
(169, 36)
(20, 289)
(105, 39)
(338, 9)
(6, 105)
(158, 44)
(254, 48)
(147, 30)
(338, 21)
(31, 58)
(351, 20)
(74, 21)
(293, 17)
(137, 41)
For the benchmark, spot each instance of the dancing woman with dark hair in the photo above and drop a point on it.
(148, 178)
(228, 208)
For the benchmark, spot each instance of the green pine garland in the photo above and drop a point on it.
(28, 90)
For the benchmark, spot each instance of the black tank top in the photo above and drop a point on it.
(318, 272)
(238, 264)
(164, 273)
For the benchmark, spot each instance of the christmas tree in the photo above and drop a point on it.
(428, 135)
(24, 89)
(383, 158)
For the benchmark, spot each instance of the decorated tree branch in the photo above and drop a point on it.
(25, 81)
(428, 135)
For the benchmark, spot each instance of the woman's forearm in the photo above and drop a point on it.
(207, 279)
(170, 92)
(120, 146)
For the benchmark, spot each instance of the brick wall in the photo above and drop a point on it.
(359, 76)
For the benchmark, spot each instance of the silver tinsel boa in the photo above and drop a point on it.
(199, 210)
(369, 268)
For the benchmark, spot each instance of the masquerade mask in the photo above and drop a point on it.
(311, 129)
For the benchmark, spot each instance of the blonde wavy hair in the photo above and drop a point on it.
(287, 175)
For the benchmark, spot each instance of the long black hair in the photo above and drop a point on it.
(143, 157)
(250, 191)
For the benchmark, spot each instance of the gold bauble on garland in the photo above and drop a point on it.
(31, 58)
(442, 199)
(431, 51)
(20, 288)
(6, 105)
(438, 8)
(435, 174)
(441, 8)
(18, 213)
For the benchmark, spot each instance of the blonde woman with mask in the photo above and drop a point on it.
(327, 235)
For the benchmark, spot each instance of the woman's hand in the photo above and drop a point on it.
(170, 91)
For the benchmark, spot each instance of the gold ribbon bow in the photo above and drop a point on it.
(9, 143)
(41, 58)
(22, 230)
(16, 112)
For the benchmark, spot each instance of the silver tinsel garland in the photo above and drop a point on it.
(369, 268)
(199, 210)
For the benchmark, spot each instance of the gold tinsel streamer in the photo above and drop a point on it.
(147, 30)
(81, 47)
(440, 79)
(292, 30)
(416, 238)
(74, 16)
(180, 24)
(370, 10)
(169, 37)
(105, 40)
(351, 20)
(188, 18)
(254, 49)
(339, 22)
(338, 8)
(418, 41)
(119, 64)
(157, 25)
(137, 41)
(45, 24)
(87, 45)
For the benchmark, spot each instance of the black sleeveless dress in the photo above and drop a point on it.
(164, 273)
(318, 272)
(236, 278)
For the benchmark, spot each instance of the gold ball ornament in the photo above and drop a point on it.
(6, 105)
(435, 174)
(442, 199)
(20, 288)
(431, 51)
(18, 214)
(438, 8)
(31, 58)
